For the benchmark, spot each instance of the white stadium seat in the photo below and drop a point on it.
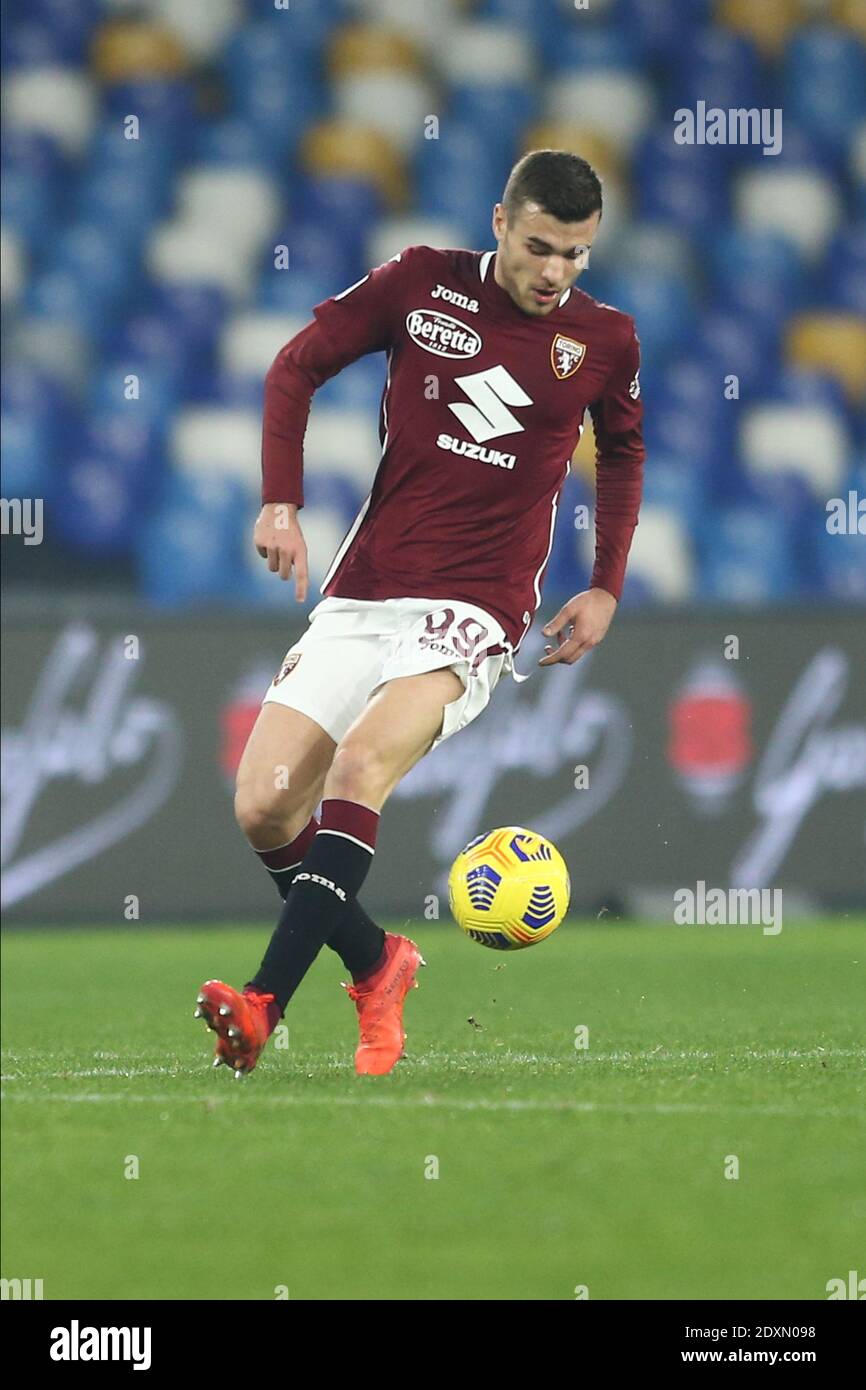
(54, 101)
(487, 53)
(13, 268)
(183, 251)
(239, 205)
(202, 25)
(345, 442)
(250, 342)
(808, 440)
(430, 25)
(393, 103)
(219, 442)
(660, 555)
(618, 105)
(394, 233)
(774, 200)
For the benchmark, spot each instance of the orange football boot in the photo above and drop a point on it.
(379, 1001)
(240, 1021)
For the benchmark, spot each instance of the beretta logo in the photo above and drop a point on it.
(441, 334)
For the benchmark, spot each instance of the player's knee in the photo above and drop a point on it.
(358, 772)
(267, 819)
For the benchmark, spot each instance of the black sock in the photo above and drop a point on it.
(357, 939)
(320, 895)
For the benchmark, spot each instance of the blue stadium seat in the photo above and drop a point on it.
(678, 184)
(746, 557)
(349, 207)
(675, 482)
(295, 293)
(68, 24)
(719, 68)
(158, 387)
(187, 551)
(96, 504)
(736, 344)
(843, 279)
(315, 251)
(664, 29)
(499, 111)
(824, 83)
(584, 48)
(25, 454)
(755, 273)
(126, 201)
(661, 304)
(358, 387)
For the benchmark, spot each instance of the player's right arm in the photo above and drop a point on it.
(348, 326)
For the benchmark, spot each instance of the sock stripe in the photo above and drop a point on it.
(343, 836)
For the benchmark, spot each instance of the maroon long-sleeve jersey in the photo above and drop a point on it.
(481, 411)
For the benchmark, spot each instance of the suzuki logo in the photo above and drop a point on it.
(491, 392)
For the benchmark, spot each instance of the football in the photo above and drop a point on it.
(509, 888)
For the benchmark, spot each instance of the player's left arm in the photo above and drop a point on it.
(617, 418)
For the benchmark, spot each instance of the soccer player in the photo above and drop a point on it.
(493, 358)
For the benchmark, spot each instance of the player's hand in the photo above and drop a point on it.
(279, 540)
(578, 626)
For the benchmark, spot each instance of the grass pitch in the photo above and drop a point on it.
(558, 1167)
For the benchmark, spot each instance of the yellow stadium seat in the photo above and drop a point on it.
(558, 135)
(365, 48)
(344, 149)
(583, 458)
(852, 14)
(832, 343)
(130, 50)
(768, 22)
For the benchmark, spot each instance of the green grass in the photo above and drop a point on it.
(557, 1167)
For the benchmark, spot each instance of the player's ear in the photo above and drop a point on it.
(499, 222)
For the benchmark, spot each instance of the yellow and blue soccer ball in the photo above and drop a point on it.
(509, 888)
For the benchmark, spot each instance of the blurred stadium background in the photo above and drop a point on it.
(305, 128)
(184, 179)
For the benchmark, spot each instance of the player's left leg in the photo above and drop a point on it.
(396, 728)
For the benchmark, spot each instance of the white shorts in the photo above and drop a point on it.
(352, 646)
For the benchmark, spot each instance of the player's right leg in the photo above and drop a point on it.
(279, 784)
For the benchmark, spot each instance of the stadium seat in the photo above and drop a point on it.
(429, 26)
(342, 149)
(719, 68)
(843, 275)
(95, 504)
(806, 440)
(182, 252)
(130, 50)
(244, 203)
(586, 141)
(661, 304)
(618, 104)
(757, 273)
(676, 183)
(294, 294)
(833, 343)
(343, 442)
(739, 346)
(203, 26)
(218, 443)
(823, 83)
(773, 200)
(851, 15)
(25, 454)
(663, 29)
(54, 101)
(250, 342)
(394, 234)
(768, 24)
(187, 551)
(13, 267)
(661, 556)
(746, 558)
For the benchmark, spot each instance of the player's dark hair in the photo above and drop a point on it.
(562, 184)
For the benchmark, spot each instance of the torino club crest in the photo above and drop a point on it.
(566, 356)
